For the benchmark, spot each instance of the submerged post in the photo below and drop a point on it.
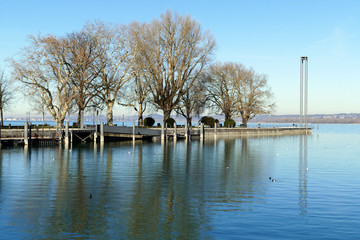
(95, 133)
(96, 128)
(60, 133)
(175, 133)
(162, 131)
(133, 132)
(29, 136)
(215, 130)
(202, 131)
(26, 140)
(66, 133)
(101, 132)
(82, 119)
(317, 129)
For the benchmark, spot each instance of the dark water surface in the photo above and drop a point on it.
(212, 190)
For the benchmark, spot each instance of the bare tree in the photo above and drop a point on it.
(81, 58)
(43, 71)
(113, 63)
(238, 91)
(174, 50)
(220, 91)
(6, 95)
(136, 95)
(193, 102)
(39, 107)
(254, 97)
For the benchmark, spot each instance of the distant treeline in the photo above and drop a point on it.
(310, 120)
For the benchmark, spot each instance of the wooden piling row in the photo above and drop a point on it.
(173, 133)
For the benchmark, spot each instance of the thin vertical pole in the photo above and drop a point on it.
(215, 130)
(301, 92)
(95, 134)
(82, 119)
(101, 132)
(162, 131)
(26, 141)
(175, 133)
(306, 92)
(30, 134)
(317, 129)
(60, 133)
(186, 131)
(133, 133)
(66, 133)
(96, 121)
(166, 127)
(202, 131)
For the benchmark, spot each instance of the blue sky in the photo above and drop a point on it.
(269, 36)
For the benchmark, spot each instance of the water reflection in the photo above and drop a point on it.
(143, 190)
(303, 171)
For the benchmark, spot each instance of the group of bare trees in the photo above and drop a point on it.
(165, 63)
(82, 69)
(237, 91)
(6, 95)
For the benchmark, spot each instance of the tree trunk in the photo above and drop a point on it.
(227, 116)
(58, 124)
(78, 121)
(140, 115)
(166, 114)
(245, 120)
(188, 121)
(140, 120)
(110, 119)
(2, 117)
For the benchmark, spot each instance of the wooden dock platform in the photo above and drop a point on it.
(102, 133)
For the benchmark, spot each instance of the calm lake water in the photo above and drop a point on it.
(212, 190)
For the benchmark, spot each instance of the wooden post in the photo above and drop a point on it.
(96, 121)
(162, 131)
(215, 131)
(57, 131)
(26, 140)
(166, 127)
(202, 131)
(317, 129)
(95, 134)
(29, 141)
(101, 132)
(60, 133)
(82, 119)
(175, 133)
(133, 133)
(66, 133)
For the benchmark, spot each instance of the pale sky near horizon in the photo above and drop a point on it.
(269, 36)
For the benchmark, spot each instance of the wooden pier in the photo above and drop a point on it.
(51, 136)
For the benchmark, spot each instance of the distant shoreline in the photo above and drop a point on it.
(311, 121)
